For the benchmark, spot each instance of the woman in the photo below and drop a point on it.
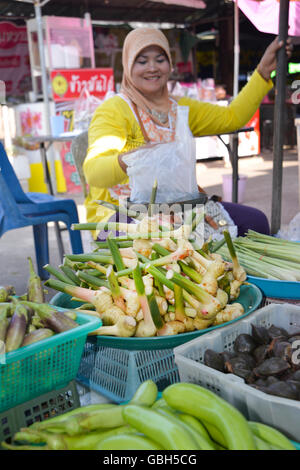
(144, 109)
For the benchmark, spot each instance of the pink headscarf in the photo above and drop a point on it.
(134, 43)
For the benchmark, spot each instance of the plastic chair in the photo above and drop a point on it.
(19, 209)
(79, 150)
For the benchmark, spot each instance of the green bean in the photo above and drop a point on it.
(128, 442)
(164, 431)
(146, 394)
(206, 405)
(271, 435)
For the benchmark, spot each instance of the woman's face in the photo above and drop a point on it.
(150, 71)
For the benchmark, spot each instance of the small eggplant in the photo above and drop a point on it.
(214, 360)
(260, 334)
(35, 291)
(275, 331)
(16, 329)
(4, 321)
(282, 389)
(37, 335)
(260, 353)
(271, 366)
(244, 343)
(52, 318)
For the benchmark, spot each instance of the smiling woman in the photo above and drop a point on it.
(144, 115)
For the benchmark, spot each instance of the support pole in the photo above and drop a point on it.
(235, 137)
(45, 82)
(279, 119)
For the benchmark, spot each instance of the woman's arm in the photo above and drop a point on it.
(210, 119)
(108, 134)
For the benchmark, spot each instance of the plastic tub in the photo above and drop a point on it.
(43, 366)
(281, 413)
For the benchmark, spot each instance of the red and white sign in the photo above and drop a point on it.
(67, 84)
(14, 59)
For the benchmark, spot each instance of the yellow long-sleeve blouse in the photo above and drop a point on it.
(114, 130)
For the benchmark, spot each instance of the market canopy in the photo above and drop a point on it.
(161, 11)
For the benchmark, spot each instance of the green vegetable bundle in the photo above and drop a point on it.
(187, 417)
(155, 285)
(266, 256)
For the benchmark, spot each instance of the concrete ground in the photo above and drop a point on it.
(17, 245)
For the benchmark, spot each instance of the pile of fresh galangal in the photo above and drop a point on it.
(151, 282)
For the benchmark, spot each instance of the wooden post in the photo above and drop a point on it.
(278, 136)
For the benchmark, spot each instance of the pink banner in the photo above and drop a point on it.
(265, 15)
(14, 59)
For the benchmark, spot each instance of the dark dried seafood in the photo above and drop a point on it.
(264, 359)
(271, 366)
(214, 360)
(260, 334)
(260, 353)
(275, 331)
(244, 343)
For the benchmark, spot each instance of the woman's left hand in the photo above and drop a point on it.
(268, 61)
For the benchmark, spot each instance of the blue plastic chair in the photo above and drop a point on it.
(19, 209)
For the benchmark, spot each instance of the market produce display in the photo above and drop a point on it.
(264, 359)
(27, 319)
(186, 417)
(266, 256)
(153, 286)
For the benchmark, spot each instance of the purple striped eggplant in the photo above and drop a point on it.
(52, 318)
(17, 328)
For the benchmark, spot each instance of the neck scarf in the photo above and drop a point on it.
(134, 43)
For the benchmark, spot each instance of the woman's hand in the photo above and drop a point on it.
(268, 61)
(120, 157)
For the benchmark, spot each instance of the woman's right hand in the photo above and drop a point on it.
(120, 157)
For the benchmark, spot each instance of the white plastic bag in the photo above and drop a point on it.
(173, 164)
(84, 109)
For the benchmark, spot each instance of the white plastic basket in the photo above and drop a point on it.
(117, 373)
(282, 413)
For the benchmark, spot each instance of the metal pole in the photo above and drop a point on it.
(45, 81)
(235, 137)
(279, 118)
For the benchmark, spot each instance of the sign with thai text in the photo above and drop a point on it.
(67, 84)
(14, 59)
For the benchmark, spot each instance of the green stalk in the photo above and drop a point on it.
(35, 291)
(92, 280)
(157, 283)
(90, 257)
(59, 275)
(155, 313)
(152, 198)
(98, 267)
(192, 273)
(69, 273)
(121, 244)
(238, 272)
(179, 303)
(150, 327)
(217, 245)
(115, 288)
(115, 252)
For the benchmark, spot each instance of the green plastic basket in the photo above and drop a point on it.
(250, 297)
(46, 365)
(45, 406)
